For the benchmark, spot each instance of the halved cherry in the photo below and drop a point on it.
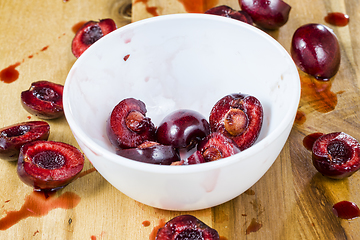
(89, 33)
(226, 11)
(44, 99)
(151, 152)
(186, 227)
(128, 127)
(239, 117)
(13, 137)
(49, 165)
(217, 146)
(336, 155)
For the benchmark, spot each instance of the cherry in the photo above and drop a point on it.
(49, 165)
(182, 129)
(186, 227)
(128, 126)
(13, 137)
(226, 11)
(44, 99)
(239, 117)
(216, 146)
(151, 152)
(316, 51)
(89, 33)
(268, 14)
(336, 155)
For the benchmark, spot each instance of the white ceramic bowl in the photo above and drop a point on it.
(182, 61)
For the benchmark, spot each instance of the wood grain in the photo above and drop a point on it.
(291, 201)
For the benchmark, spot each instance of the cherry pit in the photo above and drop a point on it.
(234, 125)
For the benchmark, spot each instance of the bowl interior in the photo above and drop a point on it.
(179, 61)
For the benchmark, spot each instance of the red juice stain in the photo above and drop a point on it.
(310, 139)
(337, 19)
(253, 227)
(126, 57)
(77, 26)
(93, 237)
(346, 210)
(318, 93)
(146, 223)
(28, 117)
(151, 10)
(39, 204)
(198, 6)
(10, 74)
(37, 231)
(31, 56)
(300, 117)
(44, 48)
(153, 233)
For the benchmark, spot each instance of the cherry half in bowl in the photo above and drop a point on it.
(49, 165)
(44, 100)
(13, 137)
(336, 155)
(239, 117)
(128, 127)
(186, 227)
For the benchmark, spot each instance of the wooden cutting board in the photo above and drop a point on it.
(291, 201)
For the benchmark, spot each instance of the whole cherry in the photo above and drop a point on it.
(336, 155)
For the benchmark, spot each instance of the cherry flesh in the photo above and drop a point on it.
(154, 153)
(336, 155)
(186, 227)
(239, 117)
(182, 129)
(316, 51)
(89, 33)
(49, 165)
(217, 146)
(44, 100)
(226, 11)
(267, 14)
(128, 127)
(13, 137)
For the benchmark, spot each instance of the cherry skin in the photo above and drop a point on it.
(226, 11)
(316, 51)
(182, 129)
(336, 155)
(13, 137)
(49, 165)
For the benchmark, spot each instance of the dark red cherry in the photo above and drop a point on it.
(216, 146)
(128, 127)
(316, 51)
(44, 100)
(239, 117)
(49, 165)
(89, 33)
(13, 137)
(151, 152)
(336, 155)
(226, 11)
(268, 14)
(182, 129)
(186, 227)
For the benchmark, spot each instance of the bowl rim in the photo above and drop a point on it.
(166, 169)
